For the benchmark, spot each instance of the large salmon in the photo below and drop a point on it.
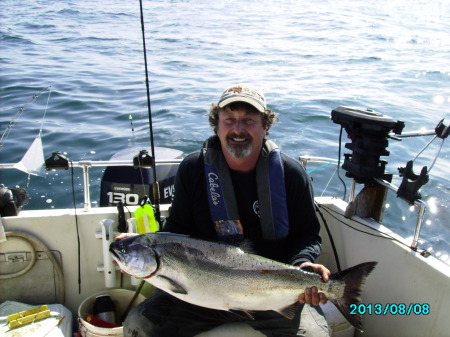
(224, 277)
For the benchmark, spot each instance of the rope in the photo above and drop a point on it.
(34, 242)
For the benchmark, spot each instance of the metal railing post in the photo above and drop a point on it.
(87, 194)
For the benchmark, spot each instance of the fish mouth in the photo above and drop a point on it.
(114, 254)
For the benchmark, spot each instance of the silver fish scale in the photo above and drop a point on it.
(224, 277)
(218, 275)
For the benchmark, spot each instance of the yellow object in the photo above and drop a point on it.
(145, 219)
(29, 316)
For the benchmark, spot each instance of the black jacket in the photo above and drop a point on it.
(190, 211)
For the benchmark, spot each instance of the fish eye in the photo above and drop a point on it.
(123, 250)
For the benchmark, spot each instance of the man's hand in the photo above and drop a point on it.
(312, 295)
(124, 236)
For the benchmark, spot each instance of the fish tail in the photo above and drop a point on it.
(354, 279)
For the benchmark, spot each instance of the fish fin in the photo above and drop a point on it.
(354, 279)
(290, 310)
(247, 246)
(243, 314)
(173, 286)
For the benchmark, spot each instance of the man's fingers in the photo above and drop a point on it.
(301, 298)
(314, 296)
(308, 295)
(124, 236)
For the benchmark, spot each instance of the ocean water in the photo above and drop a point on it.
(308, 57)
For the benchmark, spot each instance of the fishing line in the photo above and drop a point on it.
(128, 210)
(45, 110)
(49, 88)
(156, 199)
(383, 236)
(425, 147)
(323, 165)
(18, 114)
(76, 226)
(333, 246)
(339, 163)
(329, 181)
(437, 155)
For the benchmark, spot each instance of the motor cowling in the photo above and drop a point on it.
(129, 185)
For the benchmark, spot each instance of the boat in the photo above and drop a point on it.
(60, 256)
(55, 262)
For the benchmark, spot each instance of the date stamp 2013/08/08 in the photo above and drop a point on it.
(390, 309)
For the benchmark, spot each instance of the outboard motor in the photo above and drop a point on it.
(129, 185)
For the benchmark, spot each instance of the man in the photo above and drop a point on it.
(239, 186)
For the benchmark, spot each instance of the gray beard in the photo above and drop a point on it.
(239, 151)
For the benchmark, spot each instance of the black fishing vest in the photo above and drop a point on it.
(271, 193)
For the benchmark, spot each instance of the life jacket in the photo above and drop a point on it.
(271, 192)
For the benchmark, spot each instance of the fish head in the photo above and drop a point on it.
(135, 256)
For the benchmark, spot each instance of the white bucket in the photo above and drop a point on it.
(121, 299)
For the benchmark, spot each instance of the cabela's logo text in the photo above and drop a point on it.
(213, 188)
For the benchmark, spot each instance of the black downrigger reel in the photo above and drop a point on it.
(368, 131)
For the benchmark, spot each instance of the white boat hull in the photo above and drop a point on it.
(402, 277)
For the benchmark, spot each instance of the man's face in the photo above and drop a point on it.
(241, 132)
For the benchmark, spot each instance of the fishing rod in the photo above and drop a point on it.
(19, 113)
(156, 197)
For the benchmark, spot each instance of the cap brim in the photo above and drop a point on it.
(248, 100)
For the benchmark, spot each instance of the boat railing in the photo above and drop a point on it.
(419, 204)
(85, 165)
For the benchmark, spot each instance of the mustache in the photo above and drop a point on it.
(244, 135)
